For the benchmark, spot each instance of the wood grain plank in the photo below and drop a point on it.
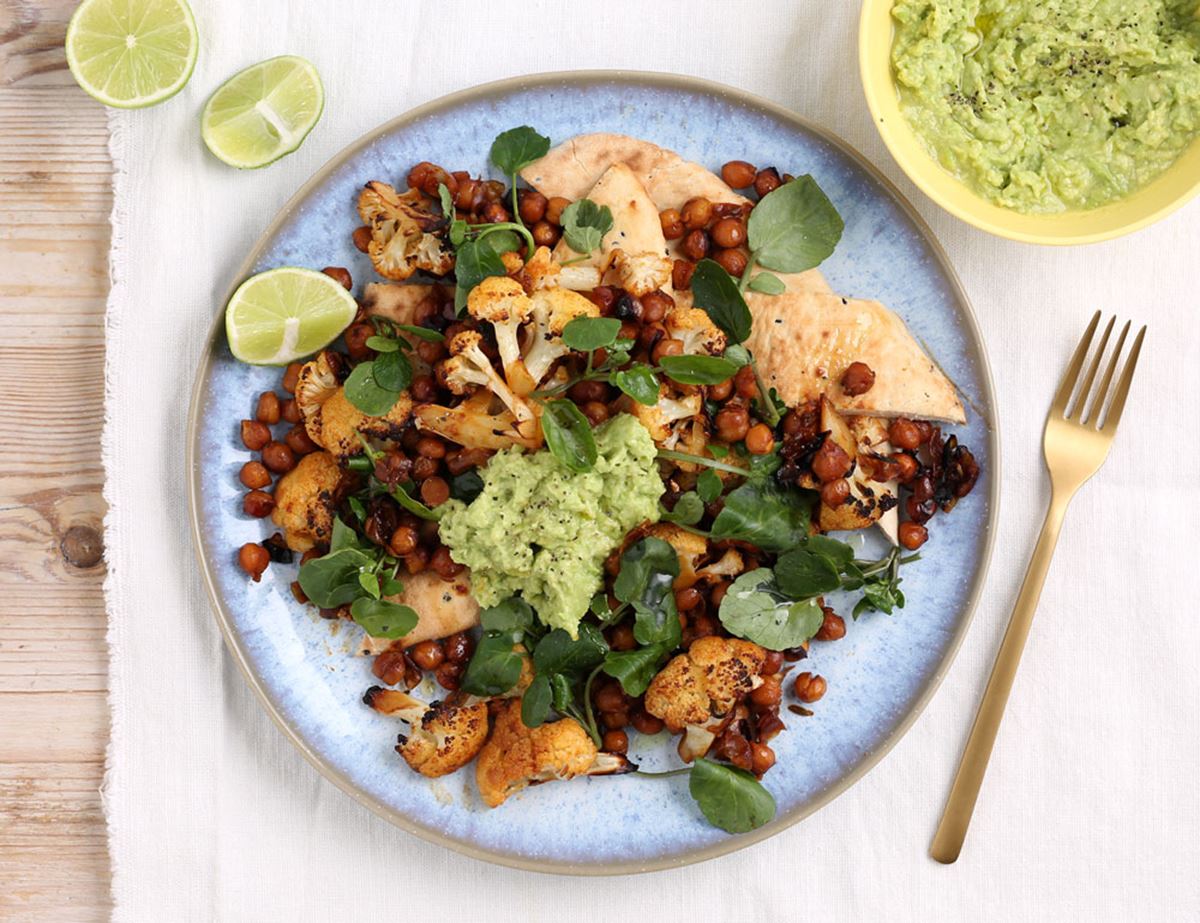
(54, 205)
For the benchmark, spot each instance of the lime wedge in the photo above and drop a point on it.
(263, 113)
(132, 53)
(281, 315)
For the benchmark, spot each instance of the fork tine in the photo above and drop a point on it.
(1086, 387)
(1072, 373)
(1101, 395)
(1118, 402)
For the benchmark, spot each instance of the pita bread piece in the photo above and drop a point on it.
(572, 168)
(635, 227)
(398, 303)
(804, 340)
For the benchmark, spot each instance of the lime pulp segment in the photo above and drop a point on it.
(281, 315)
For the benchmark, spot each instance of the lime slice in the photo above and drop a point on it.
(281, 315)
(263, 113)
(132, 53)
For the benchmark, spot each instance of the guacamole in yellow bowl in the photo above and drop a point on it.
(1048, 105)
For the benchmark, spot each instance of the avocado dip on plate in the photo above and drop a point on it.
(1052, 105)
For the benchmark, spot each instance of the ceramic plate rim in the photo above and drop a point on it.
(583, 78)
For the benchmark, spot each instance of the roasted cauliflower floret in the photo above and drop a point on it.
(444, 736)
(502, 302)
(641, 273)
(540, 271)
(696, 692)
(401, 238)
(304, 501)
(475, 424)
(662, 420)
(689, 548)
(579, 277)
(468, 365)
(516, 756)
(332, 422)
(553, 309)
(697, 331)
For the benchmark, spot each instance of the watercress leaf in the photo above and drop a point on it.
(494, 668)
(801, 573)
(383, 344)
(366, 393)
(730, 798)
(446, 200)
(839, 552)
(755, 609)
(517, 148)
(768, 284)
(569, 435)
(657, 626)
(698, 370)
(584, 225)
(474, 262)
(634, 669)
(500, 241)
(763, 513)
(421, 333)
(357, 508)
(458, 231)
(646, 580)
(393, 371)
(558, 652)
(689, 510)
(718, 451)
(738, 355)
(709, 485)
(639, 382)
(715, 290)
(370, 584)
(391, 586)
(466, 486)
(510, 617)
(535, 704)
(561, 693)
(345, 537)
(587, 333)
(883, 595)
(794, 228)
(382, 619)
(400, 494)
(332, 580)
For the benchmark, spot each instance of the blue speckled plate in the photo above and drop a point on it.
(879, 676)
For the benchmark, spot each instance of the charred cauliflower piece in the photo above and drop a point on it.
(697, 331)
(553, 309)
(444, 736)
(641, 273)
(516, 756)
(469, 366)
(502, 302)
(696, 692)
(332, 422)
(662, 420)
(401, 238)
(304, 501)
(540, 272)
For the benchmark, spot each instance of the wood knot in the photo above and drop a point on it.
(82, 546)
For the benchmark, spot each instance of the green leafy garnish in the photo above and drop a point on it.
(558, 652)
(646, 581)
(636, 668)
(639, 382)
(756, 609)
(535, 704)
(569, 435)
(367, 393)
(801, 573)
(689, 510)
(793, 228)
(332, 580)
(709, 485)
(765, 514)
(392, 371)
(517, 148)
(714, 290)
(697, 370)
(494, 668)
(730, 798)
(382, 619)
(586, 334)
(584, 225)
(475, 260)
(767, 284)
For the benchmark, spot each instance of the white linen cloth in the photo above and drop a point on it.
(1091, 808)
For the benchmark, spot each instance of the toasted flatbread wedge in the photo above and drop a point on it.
(805, 338)
(398, 303)
(444, 607)
(572, 168)
(636, 228)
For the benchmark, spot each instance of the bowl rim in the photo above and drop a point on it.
(583, 78)
(903, 156)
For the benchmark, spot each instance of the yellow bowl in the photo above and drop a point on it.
(1146, 205)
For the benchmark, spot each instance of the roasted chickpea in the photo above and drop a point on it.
(681, 274)
(554, 209)
(254, 559)
(431, 447)
(595, 411)
(732, 261)
(356, 337)
(830, 461)
(696, 213)
(858, 379)
(545, 234)
(809, 687)
(667, 347)
(833, 627)
(738, 174)
(769, 694)
(339, 275)
(254, 475)
(291, 411)
(427, 655)
(444, 565)
(729, 232)
(403, 541)
(697, 244)
(361, 238)
(621, 638)
(745, 383)
(258, 503)
(760, 440)
(688, 598)
(495, 213)
(416, 560)
(389, 666)
(655, 306)
(466, 459)
(616, 741)
(434, 491)
(762, 758)
(449, 676)
(772, 664)
(298, 592)
(767, 181)
(732, 423)
(645, 723)
(268, 409)
(908, 467)
(721, 390)
(835, 493)
(470, 194)
(423, 389)
(672, 224)
(278, 457)
(717, 594)
(458, 647)
(913, 535)
(904, 434)
(291, 377)
(431, 351)
(298, 440)
(255, 434)
(614, 720)
(584, 391)
(610, 697)
(531, 205)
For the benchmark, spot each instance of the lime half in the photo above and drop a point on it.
(132, 53)
(264, 112)
(281, 315)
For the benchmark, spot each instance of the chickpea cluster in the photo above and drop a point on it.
(446, 658)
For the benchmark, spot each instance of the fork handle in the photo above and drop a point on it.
(952, 830)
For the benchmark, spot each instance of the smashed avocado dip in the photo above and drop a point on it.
(543, 531)
(1048, 105)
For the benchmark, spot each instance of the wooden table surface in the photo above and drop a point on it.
(54, 205)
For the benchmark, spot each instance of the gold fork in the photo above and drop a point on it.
(1076, 442)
